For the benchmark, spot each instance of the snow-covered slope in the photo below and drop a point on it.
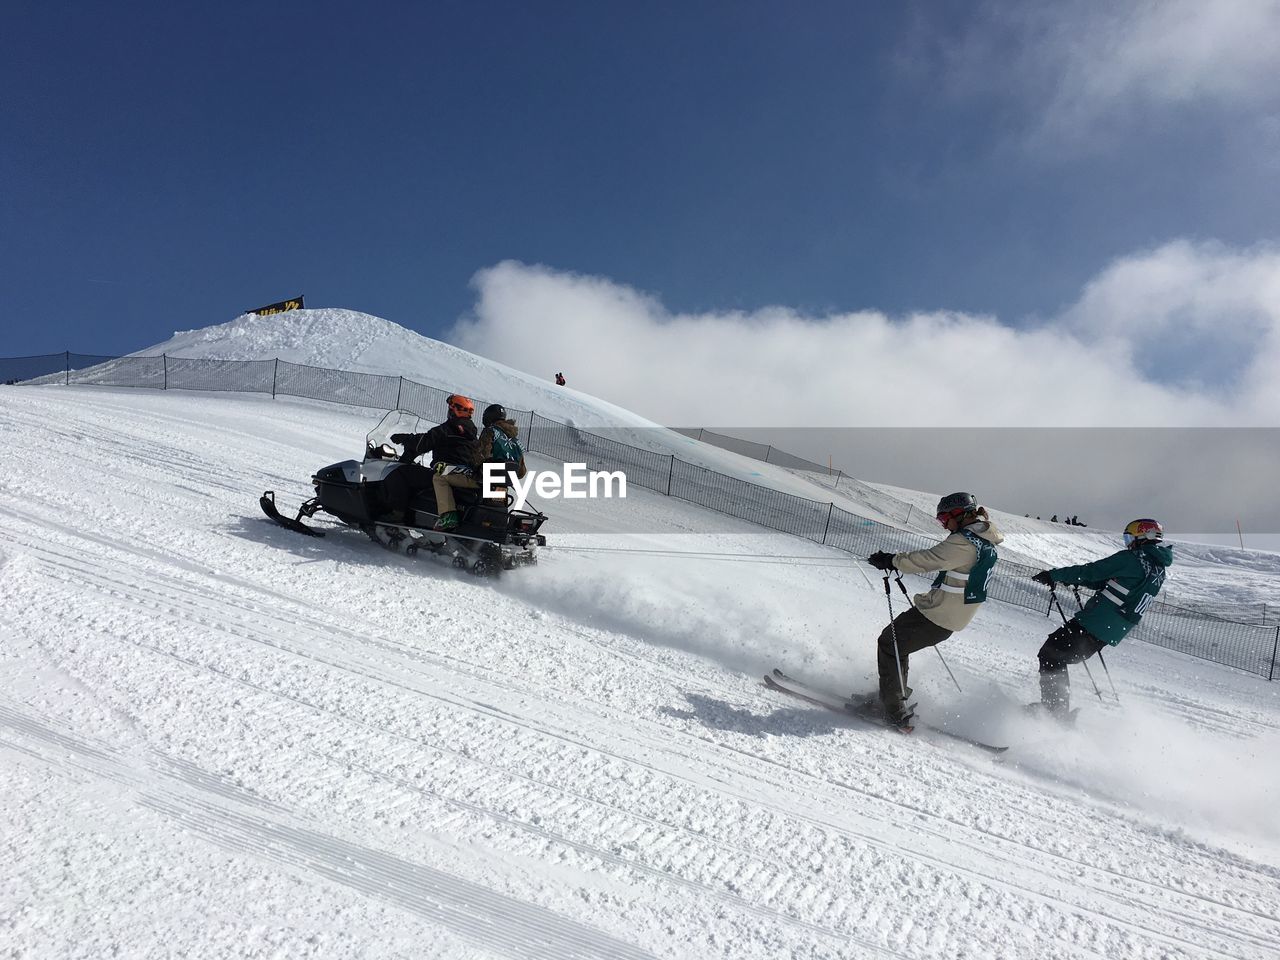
(221, 739)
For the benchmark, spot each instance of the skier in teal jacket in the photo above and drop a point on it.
(1126, 583)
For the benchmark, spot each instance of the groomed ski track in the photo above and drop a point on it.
(223, 739)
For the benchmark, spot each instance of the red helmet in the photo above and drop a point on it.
(1139, 530)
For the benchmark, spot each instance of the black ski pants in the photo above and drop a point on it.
(1070, 643)
(403, 482)
(914, 632)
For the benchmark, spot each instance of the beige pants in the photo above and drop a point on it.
(444, 484)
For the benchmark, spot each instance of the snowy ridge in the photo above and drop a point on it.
(350, 340)
(347, 340)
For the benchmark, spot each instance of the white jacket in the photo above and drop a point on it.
(956, 555)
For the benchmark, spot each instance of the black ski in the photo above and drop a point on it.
(777, 680)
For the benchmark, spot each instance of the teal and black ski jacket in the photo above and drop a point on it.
(1126, 583)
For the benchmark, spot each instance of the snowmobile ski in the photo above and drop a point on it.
(268, 503)
(777, 680)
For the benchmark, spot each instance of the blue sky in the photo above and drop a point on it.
(166, 166)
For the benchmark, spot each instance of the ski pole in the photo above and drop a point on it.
(948, 669)
(1053, 598)
(893, 631)
(1053, 593)
(903, 588)
(1096, 688)
(1114, 692)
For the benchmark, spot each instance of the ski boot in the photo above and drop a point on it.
(899, 716)
(448, 522)
(1040, 710)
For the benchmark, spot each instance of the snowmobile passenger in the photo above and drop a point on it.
(964, 561)
(498, 443)
(453, 450)
(1125, 583)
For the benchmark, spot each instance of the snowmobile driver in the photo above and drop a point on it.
(453, 452)
(1125, 583)
(498, 443)
(964, 561)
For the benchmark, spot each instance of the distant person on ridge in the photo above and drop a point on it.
(498, 443)
(1125, 583)
(1054, 518)
(560, 379)
(964, 561)
(453, 453)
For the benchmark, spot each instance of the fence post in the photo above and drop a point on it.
(670, 470)
(275, 372)
(768, 451)
(1272, 675)
(67, 361)
(700, 433)
(164, 357)
(400, 390)
(908, 517)
(830, 508)
(528, 437)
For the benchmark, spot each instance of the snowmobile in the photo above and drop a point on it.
(490, 536)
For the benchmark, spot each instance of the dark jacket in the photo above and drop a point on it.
(1126, 583)
(453, 441)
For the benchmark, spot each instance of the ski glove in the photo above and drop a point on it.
(1045, 577)
(881, 560)
(401, 438)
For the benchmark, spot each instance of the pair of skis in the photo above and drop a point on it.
(779, 681)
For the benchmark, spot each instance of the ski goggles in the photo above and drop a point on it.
(945, 518)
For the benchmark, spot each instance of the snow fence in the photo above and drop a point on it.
(1247, 646)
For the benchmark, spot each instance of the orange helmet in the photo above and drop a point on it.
(460, 406)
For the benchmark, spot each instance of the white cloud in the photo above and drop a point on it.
(1087, 65)
(1200, 313)
(1184, 335)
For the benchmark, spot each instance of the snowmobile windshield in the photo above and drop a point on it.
(378, 444)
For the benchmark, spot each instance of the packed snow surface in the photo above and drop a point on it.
(222, 739)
